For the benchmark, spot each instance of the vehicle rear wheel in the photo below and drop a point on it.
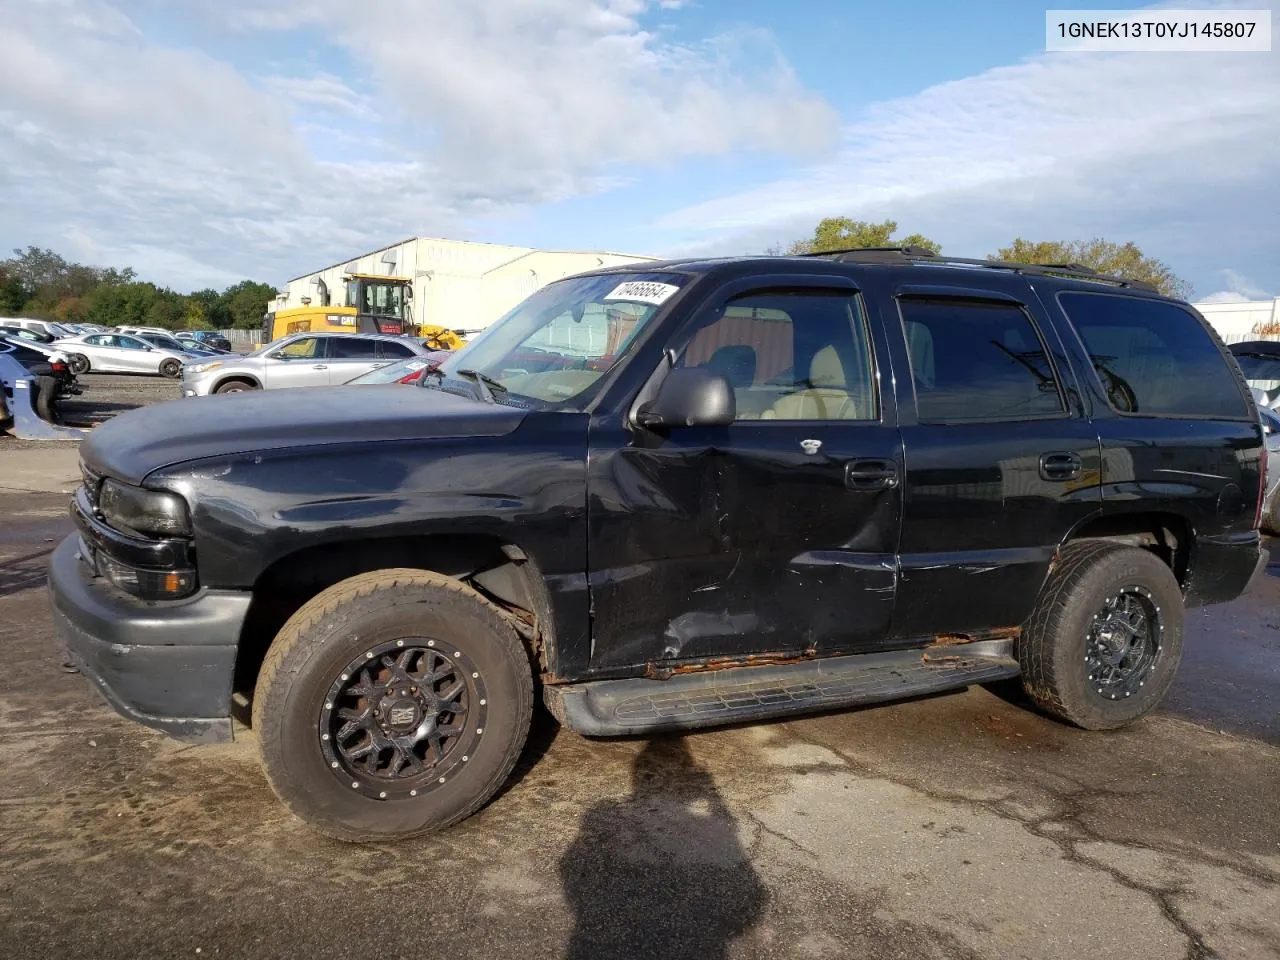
(44, 398)
(235, 386)
(1271, 517)
(392, 704)
(170, 368)
(79, 363)
(1104, 642)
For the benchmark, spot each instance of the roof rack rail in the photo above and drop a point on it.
(876, 253)
(912, 254)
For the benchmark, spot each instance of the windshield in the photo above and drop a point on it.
(556, 344)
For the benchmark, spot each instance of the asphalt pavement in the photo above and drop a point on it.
(956, 826)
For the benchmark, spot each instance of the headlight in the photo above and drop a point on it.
(203, 367)
(146, 511)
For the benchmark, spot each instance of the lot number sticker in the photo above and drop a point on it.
(643, 291)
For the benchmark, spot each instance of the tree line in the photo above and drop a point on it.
(1116, 259)
(42, 284)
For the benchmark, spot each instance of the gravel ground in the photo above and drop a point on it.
(105, 395)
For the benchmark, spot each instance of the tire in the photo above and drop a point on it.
(171, 368)
(1271, 517)
(325, 644)
(44, 399)
(1063, 631)
(235, 386)
(79, 363)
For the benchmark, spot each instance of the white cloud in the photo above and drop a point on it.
(1238, 287)
(1173, 149)
(322, 90)
(192, 170)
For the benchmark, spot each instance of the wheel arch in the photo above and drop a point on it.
(499, 570)
(1170, 536)
(234, 377)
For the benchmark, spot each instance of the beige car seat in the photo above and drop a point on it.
(827, 397)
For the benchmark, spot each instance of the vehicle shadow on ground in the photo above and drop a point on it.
(662, 872)
(23, 573)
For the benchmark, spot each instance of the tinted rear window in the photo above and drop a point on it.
(1154, 357)
(977, 361)
(352, 348)
(388, 348)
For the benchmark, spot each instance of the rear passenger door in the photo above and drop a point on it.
(1001, 458)
(350, 356)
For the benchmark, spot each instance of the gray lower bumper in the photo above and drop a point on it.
(166, 665)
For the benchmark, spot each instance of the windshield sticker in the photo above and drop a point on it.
(643, 291)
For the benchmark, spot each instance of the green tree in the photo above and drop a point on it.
(246, 302)
(205, 310)
(843, 233)
(1116, 259)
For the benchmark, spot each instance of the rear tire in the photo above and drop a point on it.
(328, 690)
(44, 398)
(170, 369)
(1105, 640)
(79, 363)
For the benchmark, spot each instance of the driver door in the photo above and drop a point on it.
(776, 535)
(133, 355)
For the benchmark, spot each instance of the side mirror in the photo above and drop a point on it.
(690, 397)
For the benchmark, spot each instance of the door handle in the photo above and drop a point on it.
(871, 474)
(320, 366)
(1060, 466)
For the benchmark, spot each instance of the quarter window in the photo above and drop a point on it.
(1154, 357)
(801, 355)
(388, 349)
(977, 361)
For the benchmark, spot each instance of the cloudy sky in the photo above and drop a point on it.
(202, 141)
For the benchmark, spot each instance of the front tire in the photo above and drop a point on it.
(79, 363)
(1103, 645)
(392, 704)
(235, 386)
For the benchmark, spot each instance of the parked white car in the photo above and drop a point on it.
(301, 360)
(121, 353)
(48, 327)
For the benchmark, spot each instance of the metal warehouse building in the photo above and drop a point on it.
(1237, 320)
(457, 284)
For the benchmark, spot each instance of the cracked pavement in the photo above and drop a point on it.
(955, 826)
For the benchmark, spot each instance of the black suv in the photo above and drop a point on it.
(693, 493)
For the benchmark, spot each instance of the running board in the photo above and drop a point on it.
(709, 698)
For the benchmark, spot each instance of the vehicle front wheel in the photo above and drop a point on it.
(1104, 642)
(79, 363)
(235, 386)
(392, 704)
(170, 368)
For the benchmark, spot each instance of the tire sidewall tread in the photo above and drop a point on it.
(309, 646)
(1051, 648)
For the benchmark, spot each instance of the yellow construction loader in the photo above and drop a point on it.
(374, 304)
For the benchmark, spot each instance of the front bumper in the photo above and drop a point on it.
(168, 666)
(197, 386)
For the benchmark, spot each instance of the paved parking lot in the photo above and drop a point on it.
(956, 826)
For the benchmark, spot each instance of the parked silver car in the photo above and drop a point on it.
(121, 353)
(301, 360)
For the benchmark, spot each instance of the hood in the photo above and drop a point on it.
(135, 444)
